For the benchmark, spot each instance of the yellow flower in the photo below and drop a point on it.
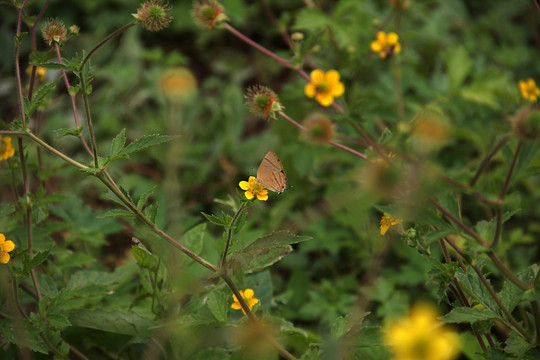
(40, 72)
(249, 298)
(386, 44)
(422, 336)
(529, 90)
(178, 85)
(6, 150)
(5, 247)
(387, 221)
(324, 87)
(253, 188)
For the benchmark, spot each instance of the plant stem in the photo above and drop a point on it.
(487, 159)
(84, 91)
(102, 42)
(304, 129)
(229, 234)
(73, 103)
(522, 285)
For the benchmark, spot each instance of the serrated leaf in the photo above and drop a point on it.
(118, 143)
(19, 38)
(59, 133)
(36, 260)
(52, 65)
(144, 258)
(114, 213)
(126, 323)
(144, 197)
(468, 315)
(144, 143)
(213, 219)
(151, 211)
(31, 338)
(276, 239)
(74, 89)
(472, 285)
(194, 240)
(38, 99)
(218, 304)
(6, 208)
(516, 345)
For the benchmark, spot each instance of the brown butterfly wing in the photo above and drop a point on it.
(270, 173)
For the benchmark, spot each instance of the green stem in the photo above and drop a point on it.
(536, 314)
(84, 91)
(487, 159)
(333, 143)
(102, 42)
(230, 231)
(522, 285)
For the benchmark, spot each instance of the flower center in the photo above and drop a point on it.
(322, 87)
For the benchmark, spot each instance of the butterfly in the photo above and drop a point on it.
(270, 173)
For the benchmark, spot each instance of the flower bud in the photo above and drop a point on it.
(320, 128)
(154, 15)
(178, 85)
(262, 102)
(526, 124)
(399, 4)
(209, 13)
(54, 31)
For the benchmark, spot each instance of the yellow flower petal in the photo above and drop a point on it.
(397, 48)
(325, 99)
(249, 195)
(317, 76)
(4, 257)
(2, 238)
(8, 246)
(332, 76)
(338, 89)
(236, 306)
(381, 36)
(248, 293)
(262, 197)
(375, 46)
(244, 185)
(392, 38)
(310, 90)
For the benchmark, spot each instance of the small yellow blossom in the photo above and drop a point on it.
(249, 298)
(529, 90)
(422, 336)
(5, 247)
(386, 44)
(324, 87)
(252, 188)
(387, 221)
(6, 149)
(40, 72)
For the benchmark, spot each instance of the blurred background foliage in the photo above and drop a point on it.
(461, 60)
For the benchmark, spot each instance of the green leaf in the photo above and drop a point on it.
(37, 259)
(151, 211)
(19, 38)
(459, 65)
(213, 219)
(6, 208)
(114, 213)
(38, 99)
(144, 143)
(218, 304)
(194, 240)
(144, 197)
(52, 65)
(472, 285)
(266, 251)
(126, 323)
(90, 171)
(59, 133)
(467, 315)
(144, 258)
(118, 143)
(31, 338)
(516, 345)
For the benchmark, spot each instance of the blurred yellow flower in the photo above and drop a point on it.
(249, 298)
(40, 72)
(387, 221)
(178, 85)
(529, 90)
(421, 336)
(324, 87)
(5, 247)
(6, 149)
(252, 188)
(386, 44)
